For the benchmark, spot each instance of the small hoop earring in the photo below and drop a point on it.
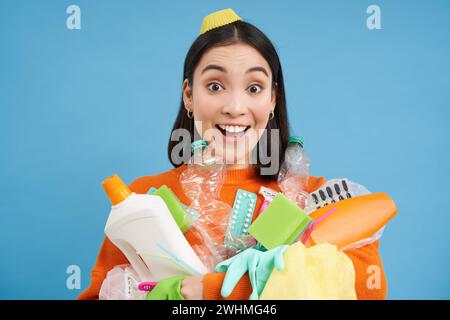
(272, 115)
(190, 114)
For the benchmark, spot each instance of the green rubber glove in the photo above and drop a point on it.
(167, 289)
(258, 264)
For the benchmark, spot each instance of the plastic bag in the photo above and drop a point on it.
(121, 283)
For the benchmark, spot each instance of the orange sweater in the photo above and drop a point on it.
(109, 256)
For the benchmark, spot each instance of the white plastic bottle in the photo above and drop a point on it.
(143, 228)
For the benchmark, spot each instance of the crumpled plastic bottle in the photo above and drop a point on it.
(201, 182)
(294, 172)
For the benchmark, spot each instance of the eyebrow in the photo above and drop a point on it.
(222, 69)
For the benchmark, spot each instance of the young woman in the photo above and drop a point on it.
(233, 86)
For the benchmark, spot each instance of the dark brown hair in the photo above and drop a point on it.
(239, 32)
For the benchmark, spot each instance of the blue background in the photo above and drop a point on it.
(79, 105)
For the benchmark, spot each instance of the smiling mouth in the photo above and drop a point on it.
(232, 131)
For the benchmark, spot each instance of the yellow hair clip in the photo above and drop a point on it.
(218, 19)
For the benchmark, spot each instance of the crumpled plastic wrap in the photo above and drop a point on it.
(121, 284)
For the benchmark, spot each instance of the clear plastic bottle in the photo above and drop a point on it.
(294, 172)
(201, 182)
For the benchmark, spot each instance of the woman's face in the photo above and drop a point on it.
(231, 99)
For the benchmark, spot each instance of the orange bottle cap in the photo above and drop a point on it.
(116, 189)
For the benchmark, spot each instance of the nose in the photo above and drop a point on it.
(235, 107)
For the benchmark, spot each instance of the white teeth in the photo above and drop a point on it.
(232, 129)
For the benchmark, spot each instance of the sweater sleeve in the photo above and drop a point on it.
(370, 280)
(212, 284)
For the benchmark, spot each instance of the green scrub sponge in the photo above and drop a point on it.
(280, 223)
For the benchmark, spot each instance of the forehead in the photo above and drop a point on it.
(235, 58)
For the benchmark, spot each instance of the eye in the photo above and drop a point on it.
(214, 86)
(255, 88)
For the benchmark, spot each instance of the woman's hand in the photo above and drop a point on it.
(192, 288)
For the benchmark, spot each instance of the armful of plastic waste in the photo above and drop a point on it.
(353, 220)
